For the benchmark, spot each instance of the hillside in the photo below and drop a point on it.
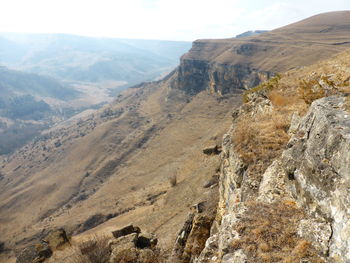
(23, 110)
(96, 173)
(58, 76)
(87, 59)
(224, 65)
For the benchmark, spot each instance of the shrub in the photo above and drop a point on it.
(2, 247)
(311, 90)
(260, 138)
(95, 250)
(265, 87)
(173, 180)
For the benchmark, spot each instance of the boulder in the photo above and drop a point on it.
(37, 253)
(146, 240)
(126, 231)
(212, 150)
(317, 163)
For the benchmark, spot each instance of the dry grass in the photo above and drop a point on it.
(268, 233)
(95, 250)
(261, 138)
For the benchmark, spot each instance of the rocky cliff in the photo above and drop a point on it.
(294, 205)
(225, 65)
(140, 159)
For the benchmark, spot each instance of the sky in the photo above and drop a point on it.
(157, 19)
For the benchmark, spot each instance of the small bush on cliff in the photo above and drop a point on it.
(318, 86)
(173, 180)
(259, 139)
(268, 233)
(264, 87)
(95, 250)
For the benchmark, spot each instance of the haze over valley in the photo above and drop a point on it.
(49, 78)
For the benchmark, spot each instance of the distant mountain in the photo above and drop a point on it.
(23, 111)
(251, 33)
(14, 83)
(78, 58)
(57, 76)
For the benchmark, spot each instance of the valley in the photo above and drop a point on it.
(209, 158)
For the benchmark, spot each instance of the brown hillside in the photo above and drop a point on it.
(115, 164)
(229, 64)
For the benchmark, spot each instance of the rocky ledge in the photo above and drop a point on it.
(299, 210)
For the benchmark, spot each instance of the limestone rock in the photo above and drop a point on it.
(319, 162)
(126, 231)
(212, 181)
(274, 185)
(318, 232)
(236, 257)
(132, 246)
(193, 236)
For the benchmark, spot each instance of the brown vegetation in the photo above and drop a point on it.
(268, 233)
(95, 250)
(259, 137)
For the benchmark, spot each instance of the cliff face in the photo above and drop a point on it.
(318, 162)
(301, 201)
(225, 65)
(196, 75)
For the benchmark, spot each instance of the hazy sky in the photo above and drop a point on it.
(157, 19)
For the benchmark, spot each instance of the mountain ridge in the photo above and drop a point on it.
(115, 159)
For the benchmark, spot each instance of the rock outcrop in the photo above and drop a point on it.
(196, 230)
(195, 76)
(37, 253)
(130, 245)
(225, 66)
(41, 251)
(318, 164)
(302, 197)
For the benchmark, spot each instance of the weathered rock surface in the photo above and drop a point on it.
(319, 162)
(37, 253)
(195, 76)
(224, 66)
(132, 246)
(126, 231)
(196, 230)
(313, 175)
(43, 250)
